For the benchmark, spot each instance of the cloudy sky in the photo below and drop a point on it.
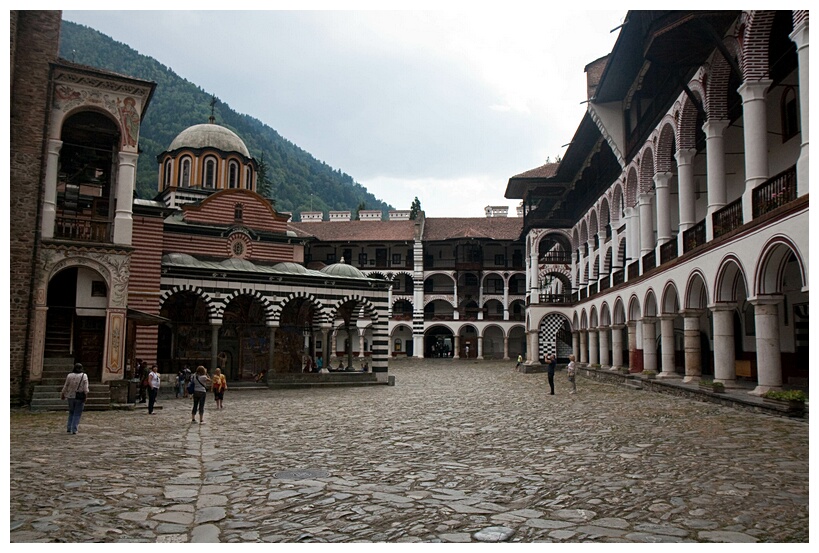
(444, 105)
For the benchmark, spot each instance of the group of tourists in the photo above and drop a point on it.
(551, 366)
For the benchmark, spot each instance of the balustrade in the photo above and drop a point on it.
(774, 192)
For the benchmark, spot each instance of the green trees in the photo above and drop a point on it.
(287, 173)
(415, 208)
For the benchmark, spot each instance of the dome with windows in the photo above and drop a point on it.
(209, 135)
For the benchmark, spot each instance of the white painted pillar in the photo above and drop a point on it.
(616, 347)
(667, 363)
(603, 339)
(632, 235)
(583, 278)
(126, 181)
(755, 125)
(691, 345)
(457, 353)
(687, 188)
(646, 230)
(50, 192)
(649, 344)
(480, 347)
(768, 359)
(531, 347)
(724, 357)
(715, 168)
(214, 346)
(662, 184)
(800, 37)
(584, 347)
(576, 344)
(632, 344)
(361, 343)
(506, 348)
(594, 347)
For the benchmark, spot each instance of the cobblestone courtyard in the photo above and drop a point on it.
(454, 448)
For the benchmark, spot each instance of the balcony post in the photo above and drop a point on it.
(50, 193)
(616, 347)
(687, 187)
(649, 344)
(691, 344)
(646, 232)
(755, 125)
(715, 162)
(768, 351)
(724, 357)
(126, 178)
(800, 36)
(603, 340)
(662, 184)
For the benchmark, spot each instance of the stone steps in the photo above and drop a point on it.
(46, 394)
(632, 383)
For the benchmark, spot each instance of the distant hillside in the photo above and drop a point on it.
(177, 104)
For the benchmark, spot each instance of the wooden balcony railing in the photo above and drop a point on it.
(774, 192)
(619, 277)
(633, 270)
(649, 261)
(83, 229)
(604, 284)
(555, 298)
(592, 288)
(694, 237)
(560, 257)
(668, 251)
(727, 218)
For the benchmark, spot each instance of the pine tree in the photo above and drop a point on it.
(415, 208)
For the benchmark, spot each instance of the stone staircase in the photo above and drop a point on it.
(632, 383)
(46, 394)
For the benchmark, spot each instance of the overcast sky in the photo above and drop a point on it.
(444, 105)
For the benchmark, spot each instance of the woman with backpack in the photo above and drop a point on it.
(200, 383)
(75, 390)
(219, 387)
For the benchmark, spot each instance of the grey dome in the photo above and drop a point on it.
(209, 135)
(179, 259)
(342, 270)
(238, 264)
(290, 267)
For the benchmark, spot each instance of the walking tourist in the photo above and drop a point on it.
(180, 383)
(200, 393)
(551, 370)
(187, 370)
(153, 388)
(143, 381)
(520, 360)
(75, 390)
(570, 371)
(219, 386)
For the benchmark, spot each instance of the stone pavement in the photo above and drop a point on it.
(456, 451)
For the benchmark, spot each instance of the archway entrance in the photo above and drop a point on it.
(187, 341)
(244, 344)
(438, 342)
(555, 337)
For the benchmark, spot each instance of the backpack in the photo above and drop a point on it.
(191, 386)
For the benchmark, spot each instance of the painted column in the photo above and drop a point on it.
(214, 346)
(361, 353)
(649, 344)
(534, 299)
(632, 345)
(603, 338)
(616, 347)
(333, 346)
(756, 139)
(615, 250)
(480, 302)
(632, 235)
(667, 362)
(687, 189)
(601, 257)
(531, 347)
(457, 353)
(575, 282)
(325, 345)
(724, 355)
(662, 184)
(480, 347)
(531, 273)
(594, 347)
(506, 348)
(590, 278)
(800, 37)
(576, 344)
(50, 192)
(113, 366)
(646, 230)
(768, 357)
(271, 361)
(715, 168)
(691, 345)
(584, 347)
(126, 178)
(583, 276)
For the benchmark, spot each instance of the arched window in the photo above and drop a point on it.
(233, 174)
(185, 177)
(166, 179)
(237, 212)
(789, 114)
(248, 178)
(210, 173)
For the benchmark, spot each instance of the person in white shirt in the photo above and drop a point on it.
(75, 390)
(153, 388)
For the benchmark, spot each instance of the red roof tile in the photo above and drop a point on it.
(488, 228)
(357, 231)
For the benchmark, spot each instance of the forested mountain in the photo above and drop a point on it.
(177, 104)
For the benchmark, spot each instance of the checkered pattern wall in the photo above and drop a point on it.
(550, 338)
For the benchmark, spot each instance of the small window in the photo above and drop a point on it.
(98, 289)
(237, 212)
(362, 259)
(167, 178)
(331, 258)
(233, 174)
(790, 116)
(210, 173)
(499, 260)
(396, 259)
(186, 172)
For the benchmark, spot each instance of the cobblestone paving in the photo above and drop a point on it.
(457, 451)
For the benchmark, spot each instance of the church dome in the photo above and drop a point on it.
(209, 135)
(342, 270)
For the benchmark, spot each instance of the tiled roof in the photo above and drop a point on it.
(357, 231)
(494, 228)
(542, 172)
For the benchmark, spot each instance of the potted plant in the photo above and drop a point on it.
(786, 400)
(718, 387)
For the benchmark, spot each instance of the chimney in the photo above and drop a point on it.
(311, 216)
(496, 211)
(340, 215)
(400, 215)
(369, 215)
(520, 209)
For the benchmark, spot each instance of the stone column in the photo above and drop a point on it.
(768, 356)
(325, 345)
(214, 347)
(800, 37)
(576, 344)
(632, 345)
(667, 362)
(616, 347)
(594, 348)
(50, 192)
(691, 345)
(592, 269)
(649, 344)
(601, 257)
(126, 178)
(687, 189)
(583, 277)
(724, 356)
(361, 353)
(584, 347)
(456, 354)
(531, 347)
(535, 299)
(662, 184)
(603, 334)
(615, 257)
(333, 346)
(754, 117)
(715, 167)
(271, 353)
(506, 348)
(632, 235)
(480, 347)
